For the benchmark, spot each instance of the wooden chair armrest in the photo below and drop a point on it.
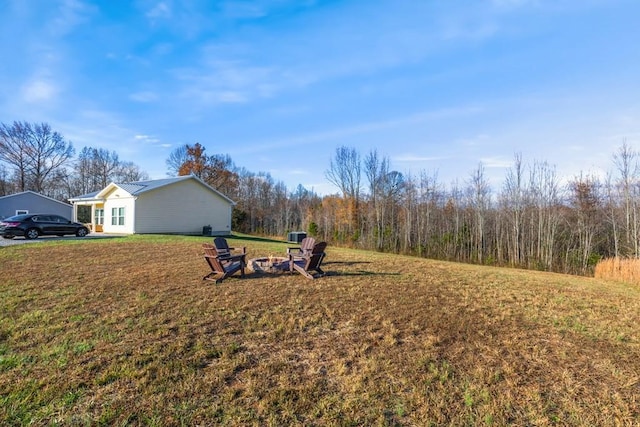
(232, 257)
(299, 256)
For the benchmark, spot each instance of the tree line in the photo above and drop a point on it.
(534, 220)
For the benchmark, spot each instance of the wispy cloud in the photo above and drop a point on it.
(496, 162)
(160, 10)
(219, 82)
(349, 49)
(39, 90)
(144, 97)
(243, 9)
(373, 127)
(146, 139)
(69, 14)
(513, 3)
(44, 57)
(412, 158)
(474, 141)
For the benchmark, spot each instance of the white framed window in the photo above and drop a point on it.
(22, 211)
(99, 219)
(117, 216)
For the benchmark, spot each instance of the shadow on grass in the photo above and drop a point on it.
(359, 273)
(102, 236)
(255, 239)
(346, 262)
(327, 274)
(59, 239)
(261, 275)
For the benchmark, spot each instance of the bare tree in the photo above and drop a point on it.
(14, 151)
(84, 181)
(513, 202)
(49, 152)
(392, 191)
(106, 166)
(376, 169)
(612, 214)
(586, 200)
(479, 198)
(95, 168)
(429, 224)
(129, 172)
(304, 204)
(626, 161)
(5, 184)
(177, 158)
(35, 152)
(221, 173)
(344, 171)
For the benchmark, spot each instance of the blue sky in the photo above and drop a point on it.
(436, 86)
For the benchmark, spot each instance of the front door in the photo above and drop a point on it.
(99, 219)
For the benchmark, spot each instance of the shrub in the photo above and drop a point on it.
(622, 269)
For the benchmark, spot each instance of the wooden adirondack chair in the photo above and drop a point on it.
(223, 247)
(222, 266)
(305, 248)
(305, 264)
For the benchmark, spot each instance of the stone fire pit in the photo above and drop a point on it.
(271, 265)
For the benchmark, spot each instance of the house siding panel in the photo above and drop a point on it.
(34, 203)
(183, 208)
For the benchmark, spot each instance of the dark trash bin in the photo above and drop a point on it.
(206, 230)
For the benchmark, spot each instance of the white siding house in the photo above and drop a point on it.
(181, 205)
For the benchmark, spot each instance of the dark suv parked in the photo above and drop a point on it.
(33, 225)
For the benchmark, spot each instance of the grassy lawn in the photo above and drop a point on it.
(124, 331)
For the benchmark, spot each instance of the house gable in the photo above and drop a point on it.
(113, 190)
(185, 207)
(141, 187)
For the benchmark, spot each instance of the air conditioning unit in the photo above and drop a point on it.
(296, 236)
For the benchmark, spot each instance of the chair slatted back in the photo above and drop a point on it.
(317, 254)
(307, 245)
(211, 255)
(222, 246)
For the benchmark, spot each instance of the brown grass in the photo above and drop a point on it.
(620, 269)
(126, 332)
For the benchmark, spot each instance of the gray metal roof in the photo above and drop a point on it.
(86, 196)
(135, 188)
(139, 187)
(27, 192)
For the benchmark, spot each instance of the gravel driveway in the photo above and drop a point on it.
(21, 240)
